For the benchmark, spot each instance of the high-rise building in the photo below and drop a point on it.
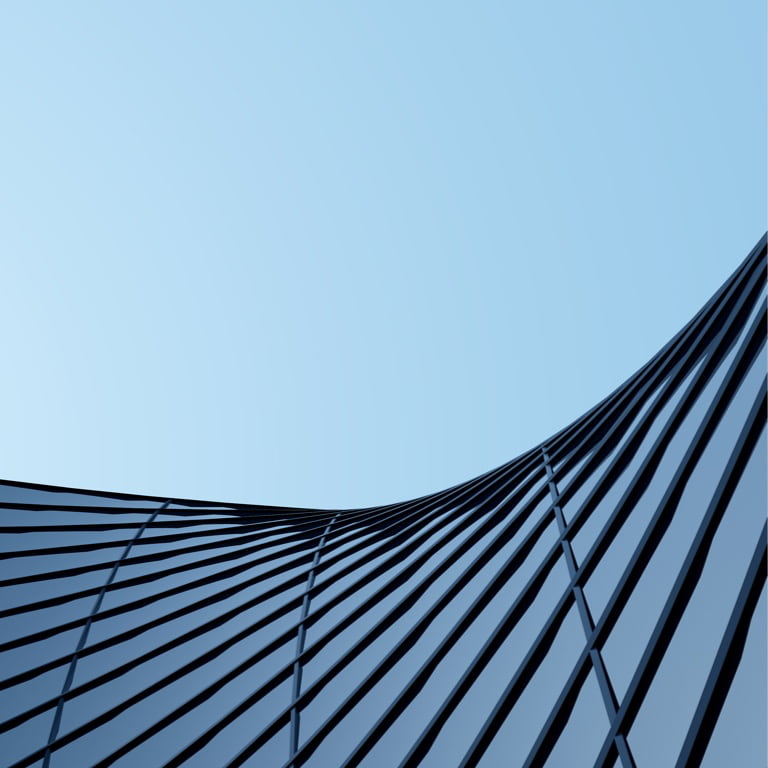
(599, 600)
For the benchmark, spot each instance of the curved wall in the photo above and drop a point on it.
(600, 600)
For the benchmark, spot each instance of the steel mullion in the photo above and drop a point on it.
(233, 540)
(189, 519)
(84, 637)
(504, 626)
(704, 432)
(543, 746)
(620, 460)
(232, 543)
(676, 376)
(257, 528)
(523, 675)
(300, 639)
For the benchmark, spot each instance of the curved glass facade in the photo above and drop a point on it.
(600, 600)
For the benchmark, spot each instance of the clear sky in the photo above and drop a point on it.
(340, 254)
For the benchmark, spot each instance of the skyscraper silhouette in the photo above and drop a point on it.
(599, 600)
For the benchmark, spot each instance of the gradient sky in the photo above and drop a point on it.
(349, 253)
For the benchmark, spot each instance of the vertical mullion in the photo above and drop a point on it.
(84, 634)
(301, 635)
(606, 687)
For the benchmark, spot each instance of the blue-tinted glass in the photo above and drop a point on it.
(14, 493)
(433, 569)
(583, 735)
(741, 728)
(626, 642)
(583, 541)
(398, 739)
(26, 739)
(663, 719)
(465, 722)
(520, 729)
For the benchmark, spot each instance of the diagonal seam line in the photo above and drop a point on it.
(301, 635)
(580, 598)
(86, 629)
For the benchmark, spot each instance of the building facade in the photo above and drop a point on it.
(598, 601)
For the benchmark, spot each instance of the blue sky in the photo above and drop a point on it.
(345, 254)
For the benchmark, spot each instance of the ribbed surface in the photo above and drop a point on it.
(589, 603)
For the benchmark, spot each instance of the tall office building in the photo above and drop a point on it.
(599, 600)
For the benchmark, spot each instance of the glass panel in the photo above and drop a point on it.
(44, 539)
(20, 698)
(345, 535)
(583, 541)
(585, 731)
(741, 728)
(575, 497)
(146, 712)
(365, 560)
(518, 732)
(203, 571)
(436, 522)
(465, 722)
(442, 578)
(28, 657)
(180, 641)
(565, 480)
(26, 739)
(208, 507)
(19, 567)
(19, 595)
(20, 518)
(156, 750)
(26, 624)
(15, 493)
(228, 741)
(398, 739)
